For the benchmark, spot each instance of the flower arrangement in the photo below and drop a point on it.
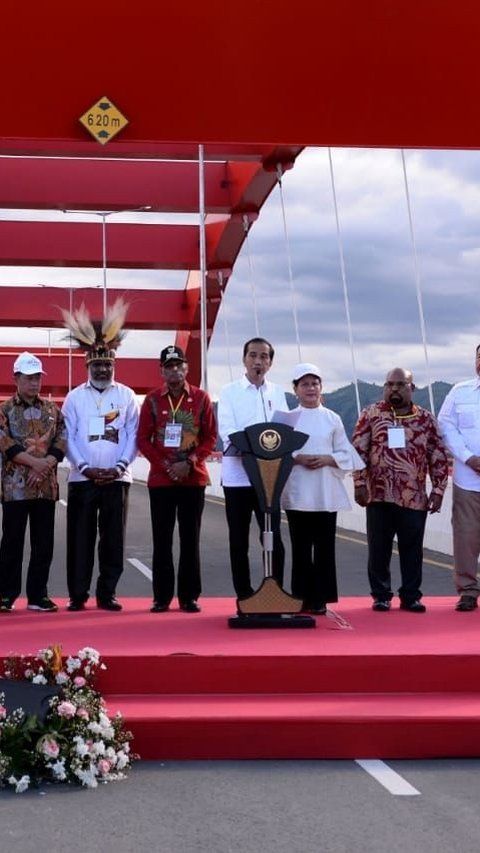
(77, 742)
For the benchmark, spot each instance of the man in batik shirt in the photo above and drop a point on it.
(400, 444)
(32, 443)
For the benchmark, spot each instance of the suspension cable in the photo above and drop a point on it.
(246, 226)
(225, 322)
(289, 261)
(418, 288)
(344, 281)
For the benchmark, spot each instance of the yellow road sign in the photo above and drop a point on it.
(103, 120)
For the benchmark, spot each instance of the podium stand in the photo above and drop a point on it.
(266, 450)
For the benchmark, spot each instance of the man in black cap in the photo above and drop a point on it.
(177, 433)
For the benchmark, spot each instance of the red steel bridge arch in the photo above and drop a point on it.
(252, 83)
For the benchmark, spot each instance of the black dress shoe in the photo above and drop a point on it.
(413, 606)
(466, 603)
(190, 607)
(158, 607)
(74, 605)
(381, 605)
(109, 604)
(315, 609)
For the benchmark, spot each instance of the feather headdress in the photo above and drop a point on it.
(99, 339)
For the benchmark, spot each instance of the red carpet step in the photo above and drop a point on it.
(359, 685)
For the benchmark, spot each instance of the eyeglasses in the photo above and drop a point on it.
(400, 385)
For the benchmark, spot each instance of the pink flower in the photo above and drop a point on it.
(50, 748)
(66, 709)
(79, 681)
(104, 766)
(3, 712)
(83, 713)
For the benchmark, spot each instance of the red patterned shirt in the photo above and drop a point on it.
(398, 475)
(198, 434)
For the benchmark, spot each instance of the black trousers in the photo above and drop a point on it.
(93, 509)
(40, 513)
(314, 573)
(240, 503)
(167, 504)
(384, 520)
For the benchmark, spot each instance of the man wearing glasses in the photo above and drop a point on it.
(249, 400)
(400, 444)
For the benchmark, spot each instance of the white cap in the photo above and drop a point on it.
(303, 369)
(28, 364)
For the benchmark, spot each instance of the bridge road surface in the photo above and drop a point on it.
(247, 806)
(216, 577)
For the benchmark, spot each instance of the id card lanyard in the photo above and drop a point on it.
(396, 433)
(173, 431)
(96, 423)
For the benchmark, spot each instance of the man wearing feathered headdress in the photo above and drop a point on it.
(102, 418)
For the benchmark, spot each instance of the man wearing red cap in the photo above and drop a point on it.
(32, 443)
(177, 433)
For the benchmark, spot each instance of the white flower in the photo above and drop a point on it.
(87, 777)
(122, 760)
(98, 748)
(81, 747)
(90, 654)
(21, 785)
(39, 679)
(61, 678)
(72, 664)
(58, 770)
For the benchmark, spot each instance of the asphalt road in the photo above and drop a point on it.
(216, 577)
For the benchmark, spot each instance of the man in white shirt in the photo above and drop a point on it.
(101, 417)
(459, 422)
(249, 400)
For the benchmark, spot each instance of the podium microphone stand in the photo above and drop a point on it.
(266, 450)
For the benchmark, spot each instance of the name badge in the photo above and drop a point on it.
(96, 426)
(173, 435)
(396, 437)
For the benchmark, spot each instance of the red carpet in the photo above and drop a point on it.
(359, 685)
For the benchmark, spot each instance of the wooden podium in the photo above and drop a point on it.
(266, 450)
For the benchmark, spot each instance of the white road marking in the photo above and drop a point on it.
(141, 567)
(390, 779)
(61, 501)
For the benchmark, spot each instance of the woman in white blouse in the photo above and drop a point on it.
(315, 492)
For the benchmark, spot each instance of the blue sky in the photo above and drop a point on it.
(444, 191)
